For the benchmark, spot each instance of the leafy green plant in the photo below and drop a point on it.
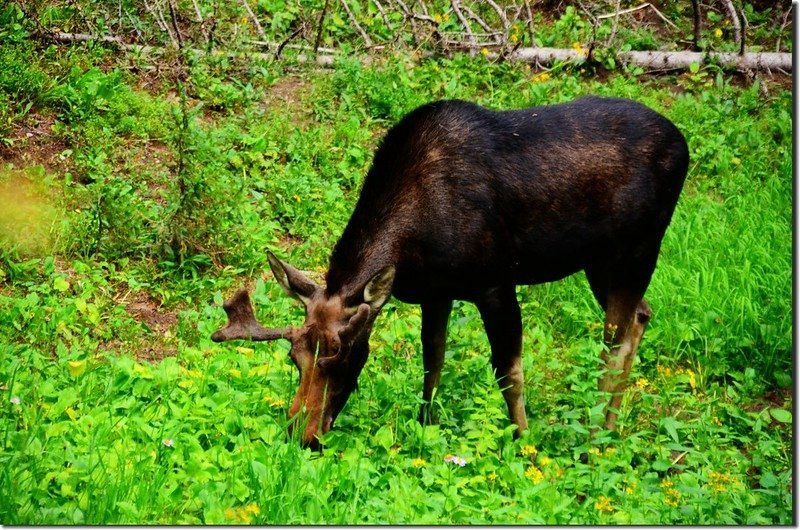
(107, 372)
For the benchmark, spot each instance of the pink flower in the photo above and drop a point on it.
(452, 459)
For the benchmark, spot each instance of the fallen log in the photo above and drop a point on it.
(649, 60)
(661, 60)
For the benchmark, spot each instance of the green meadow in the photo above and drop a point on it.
(132, 205)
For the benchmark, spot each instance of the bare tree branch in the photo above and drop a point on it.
(355, 23)
(530, 23)
(174, 16)
(471, 14)
(253, 17)
(156, 12)
(737, 28)
(464, 22)
(783, 26)
(744, 33)
(283, 44)
(320, 25)
(383, 14)
(697, 22)
(502, 15)
(613, 25)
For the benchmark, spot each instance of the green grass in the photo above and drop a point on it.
(96, 398)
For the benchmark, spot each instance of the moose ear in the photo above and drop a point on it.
(294, 282)
(379, 288)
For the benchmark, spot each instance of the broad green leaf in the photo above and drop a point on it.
(781, 415)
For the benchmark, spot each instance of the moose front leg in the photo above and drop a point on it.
(434, 337)
(626, 320)
(501, 318)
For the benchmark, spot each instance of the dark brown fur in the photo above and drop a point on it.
(465, 203)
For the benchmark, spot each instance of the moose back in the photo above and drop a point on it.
(465, 203)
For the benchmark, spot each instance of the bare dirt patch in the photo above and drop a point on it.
(161, 344)
(146, 310)
(33, 142)
(289, 94)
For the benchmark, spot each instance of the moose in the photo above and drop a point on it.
(465, 203)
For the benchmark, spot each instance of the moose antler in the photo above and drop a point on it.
(242, 323)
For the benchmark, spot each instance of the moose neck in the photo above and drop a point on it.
(366, 246)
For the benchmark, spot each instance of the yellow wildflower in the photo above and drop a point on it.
(544, 460)
(718, 33)
(535, 474)
(529, 450)
(235, 372)
(603, 504)
(642, 383)
(692, 380)
(484, 51)
(252, 508)
(418, 462)
(716, 421)
(438, 18)
(672, 496)
(581, 51)
(664, 370)
(719, 482)
(492, 476)
(594, 451)
(542, 77)
(514, 39)
(76, 368)
(275, 402)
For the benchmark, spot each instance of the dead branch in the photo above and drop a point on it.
(659, 60)
(320, 24)
(650, 60)
(637, 8)
(613, 25)
(356, 25)
(383, 14)
(530, 23)
(696, 24)
(471, 14)
(174, 16)
(200, 19)
(253, 17)
(744, 32)
(737, 27)
(463, 20)
(783, 26)
(502, 15)
(408, 13)
(283, 44)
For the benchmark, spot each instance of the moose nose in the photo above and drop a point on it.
(307, 437)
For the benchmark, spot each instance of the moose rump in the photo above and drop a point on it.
(465, 203)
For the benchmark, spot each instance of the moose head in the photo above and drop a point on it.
(329, 349)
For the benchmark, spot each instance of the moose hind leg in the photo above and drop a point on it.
(434, 338)
(501, 317)
(626, 319)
